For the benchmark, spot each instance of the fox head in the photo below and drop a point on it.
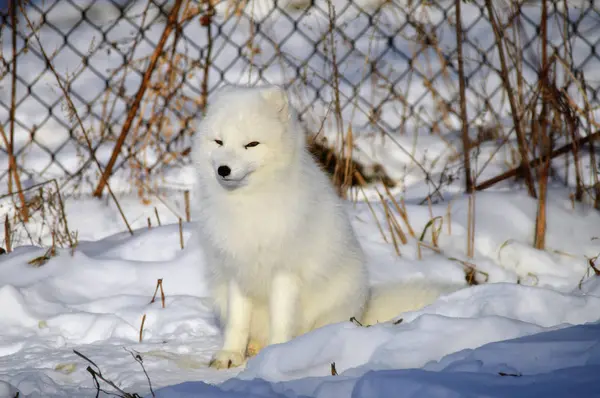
(245, 136)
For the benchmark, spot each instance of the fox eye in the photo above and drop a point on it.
(251, 144)
(219, 142)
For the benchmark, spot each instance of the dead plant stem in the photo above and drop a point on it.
(171, 23)
(504, 73)
(73, 109)
(463, 100)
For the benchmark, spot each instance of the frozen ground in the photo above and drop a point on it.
(93, 301)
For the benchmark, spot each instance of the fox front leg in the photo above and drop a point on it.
(283, 306)
(237, 329)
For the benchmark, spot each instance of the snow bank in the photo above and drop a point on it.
(94, 300)
(560, 363)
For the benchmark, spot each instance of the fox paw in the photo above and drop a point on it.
(226, 359)
(254, 348)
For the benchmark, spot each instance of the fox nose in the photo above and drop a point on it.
(224, 171)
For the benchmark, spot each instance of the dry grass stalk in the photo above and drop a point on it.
(13, 172)
(371, 207)
(572, 198)
(7, 230)
(435, 232)
(391, 229)
(207, 22)
(471, 227)
(400, 210)
(471, 272)
(592, 264)
(157, 217)
(186, 200)
(53, 246)
(392, 219)
(540, 223)
(181, 243)
(504, 74)
(63, 214)
(43, 259)
(398, 229)
(389, 217)
(142, 327)
(463, 100)
(589, 118)
(333, 369)
(404, 215)
(159, 285)
(47, 207)
(379, 227)
(343, 172)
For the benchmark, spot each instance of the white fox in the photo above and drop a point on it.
(280, 250)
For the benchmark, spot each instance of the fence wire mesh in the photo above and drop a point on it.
(382, 67)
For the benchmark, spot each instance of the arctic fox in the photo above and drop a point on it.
(280, 250)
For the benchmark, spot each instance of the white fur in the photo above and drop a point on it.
(281, 253)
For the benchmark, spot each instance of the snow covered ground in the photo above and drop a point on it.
(532, 330)
(93, 301)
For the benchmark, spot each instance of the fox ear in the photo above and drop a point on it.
(278, 99)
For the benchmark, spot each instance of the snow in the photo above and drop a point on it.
(93, 301)
(532, 330)
(560, 363)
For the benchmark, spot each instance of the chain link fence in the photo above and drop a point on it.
(376, 66)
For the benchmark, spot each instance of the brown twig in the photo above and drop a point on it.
(504, 74)
(333, 369)
(206, 20)
(97, 374)
(181, 233)
(138, 358)
(471, 227)
(535, 162)
(574, 147)
(7, 234)
(12, 161)
(142, 327)
(463, 100)
(162, 293)
(540, 220)
(186, 200)
(400, 211)
(171, 22)
(592, 152)
(157, 217)
(592, 263)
